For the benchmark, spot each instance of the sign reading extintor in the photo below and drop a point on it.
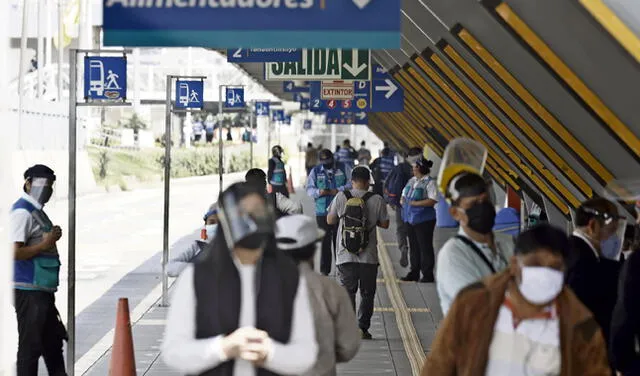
(234, 97)
(105, 78)
(189, 94)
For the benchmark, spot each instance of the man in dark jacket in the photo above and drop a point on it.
(625, 325)
(591, 271)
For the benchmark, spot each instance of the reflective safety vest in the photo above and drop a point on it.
(331, 179)
(416, 191)
(41, 272)
(279, 176)
(344, 156)
(386, 165)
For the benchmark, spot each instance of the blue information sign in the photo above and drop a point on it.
(287, 120)
(305, 104)
(262, 108)
(234, 97)
(361, 99)
(277, 115)
(189, 94)
(364, 24)
(291, 87)
(297, 97)
(307, 124)
(387, 95)
(264, 55)
(105, 78)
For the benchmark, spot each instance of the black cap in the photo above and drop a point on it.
(39, 171)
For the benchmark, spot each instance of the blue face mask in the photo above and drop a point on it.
(611, 248)
(209, 233)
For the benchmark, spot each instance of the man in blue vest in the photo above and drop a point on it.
(36, 276)
(323, 184)
(347, 156)
(277, 174)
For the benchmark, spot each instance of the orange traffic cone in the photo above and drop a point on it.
(290, 183)
(123, 362)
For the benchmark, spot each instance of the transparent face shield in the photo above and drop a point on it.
(41, 189)
(246, 222)
(461, 155)
(611, 247)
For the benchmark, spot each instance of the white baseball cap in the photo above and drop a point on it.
(297, 231)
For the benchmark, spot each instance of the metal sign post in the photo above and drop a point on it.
(251, 117)
(100, 90)
(229, 102)
(188, 99)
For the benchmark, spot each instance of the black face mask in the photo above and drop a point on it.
(482, 217)
(42, 194)
(254, 241)
(328, 165)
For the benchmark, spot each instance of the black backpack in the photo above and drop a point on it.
(355, 233)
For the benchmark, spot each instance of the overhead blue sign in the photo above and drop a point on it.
(307, 124)
(361, 118)
(287, 120)
(305, 103)
(105, 78)
(361, 99)
(387, 95)
(291, 87)
(363, 24)
(234, 97)
(262, 108)
(297, 97)
(264, 55)
(277, 115)
(189, 94)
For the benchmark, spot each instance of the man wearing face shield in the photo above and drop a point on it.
(323, 184)
(36, 276)
(593, 266)
(521, 321)
(476, 252)
(180, 261)
(243, 308)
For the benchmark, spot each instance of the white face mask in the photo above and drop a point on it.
(209, 233)
(540, 285)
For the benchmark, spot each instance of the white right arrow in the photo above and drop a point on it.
(390, 88)
(354, 69)
(361, 115)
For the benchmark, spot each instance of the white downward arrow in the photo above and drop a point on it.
(361, 115)
(354, 69)
(361, 3)
(390, 88)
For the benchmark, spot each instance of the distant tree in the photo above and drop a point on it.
(135, 123)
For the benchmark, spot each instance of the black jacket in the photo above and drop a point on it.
(594, 280)
(625, 325)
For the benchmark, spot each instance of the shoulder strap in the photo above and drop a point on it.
(477, 250)
(367, 196)
(347, 194)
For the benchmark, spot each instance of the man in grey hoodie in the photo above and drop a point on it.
(337, 332)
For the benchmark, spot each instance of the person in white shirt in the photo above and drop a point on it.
(243, 308)
(180, 261)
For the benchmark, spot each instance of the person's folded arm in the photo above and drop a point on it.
(287, 205)
(179, 262)
(300, 353)
(426, 203)
(181, 351)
